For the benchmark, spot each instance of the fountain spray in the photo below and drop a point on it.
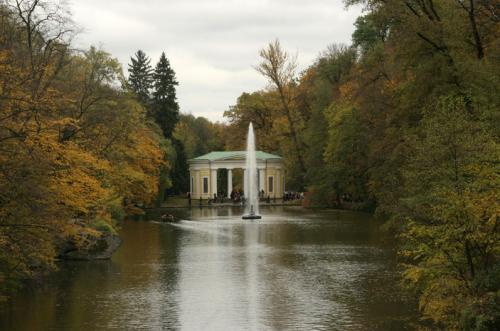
(251, 179)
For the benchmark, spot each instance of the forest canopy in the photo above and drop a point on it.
(77, 149)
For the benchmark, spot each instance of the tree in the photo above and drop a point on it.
(450, 205)
(198, 135)
(165, 107)
(140, 77)
(179, 173)
(259, 108)
(405, 118)
(166, 114)
(368, 32)
(279, 68)
(323, 91)
(76, 151)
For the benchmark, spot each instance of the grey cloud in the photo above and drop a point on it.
(213, 44)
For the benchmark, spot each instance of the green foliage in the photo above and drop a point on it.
(165, 112)
(180, 172)
(346, 152)
(323, 87)
(198, 135)
(156, 90)
(102, 226)
(165, 181)
(452, 185)
(116, 210)
(368, 33)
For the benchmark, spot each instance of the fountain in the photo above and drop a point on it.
(251, 180)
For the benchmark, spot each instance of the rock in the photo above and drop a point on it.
(102, 249)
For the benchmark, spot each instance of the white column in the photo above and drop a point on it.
(213, 179)
(278, 186)
(191, 182)
(197, 187)
(229, 182)
(262, 179)
(284, 181)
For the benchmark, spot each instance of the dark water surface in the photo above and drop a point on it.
(292, 270)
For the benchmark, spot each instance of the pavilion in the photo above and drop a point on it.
(203, 173)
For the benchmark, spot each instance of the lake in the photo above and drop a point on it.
(295, 269)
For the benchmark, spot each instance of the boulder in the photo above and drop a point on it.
(101, 249)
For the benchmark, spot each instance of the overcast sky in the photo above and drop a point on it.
(212, 44)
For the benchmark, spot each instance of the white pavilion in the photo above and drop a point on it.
(203, 173)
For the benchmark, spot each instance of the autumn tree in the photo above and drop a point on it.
(425, 92)
(325, 90)
(452, 240)
(76, 151)
(279, 68)
(260, 109)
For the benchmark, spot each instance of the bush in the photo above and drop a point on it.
(103, 226)
(116, 210)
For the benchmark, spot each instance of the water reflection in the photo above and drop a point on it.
(293, 270)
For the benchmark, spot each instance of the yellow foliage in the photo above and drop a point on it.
(71, 145)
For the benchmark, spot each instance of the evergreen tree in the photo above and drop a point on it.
(179, 173)
(141, 76)
(166, 114)
(165, 107)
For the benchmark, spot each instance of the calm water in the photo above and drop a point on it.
(293, 270)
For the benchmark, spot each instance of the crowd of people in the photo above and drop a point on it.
(237, 196)
(291, 196)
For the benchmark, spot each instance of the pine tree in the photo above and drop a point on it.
(141, 76)
(165, 107)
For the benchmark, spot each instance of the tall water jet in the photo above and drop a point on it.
(251, 179)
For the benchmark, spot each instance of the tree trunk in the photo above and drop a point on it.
(475, 32)
(470, 262)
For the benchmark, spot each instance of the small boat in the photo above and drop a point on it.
(167, 218)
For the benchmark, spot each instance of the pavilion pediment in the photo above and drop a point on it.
(233, 156)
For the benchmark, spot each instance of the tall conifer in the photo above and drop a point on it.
(141, 76)
(165, 106)
(166, 113)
